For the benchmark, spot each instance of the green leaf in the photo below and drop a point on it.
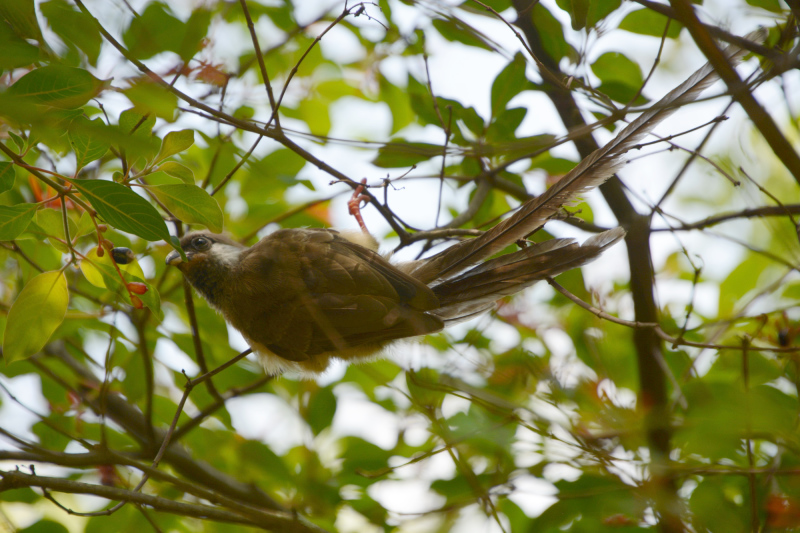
(196, 29)
(176, 170)
(600, 9)
(773, 6)
(58, 86)
(52, 222)
(153, 32)
(36, 313)
(175, 142)
(7, 176)
(124, 209)
(399, 154)
(551, 34)
(314, 112)
(504, 125)
(424, 387)
(19, 141)
(17, 52)
(138, 142)
(44, 526)
(740, 282)
(613, 66)
(421, 102)
(261, 462)
(134, 123)
(321, 408)
(587, 502)
(148, 97)
(458, 31)
(282, 165)
(510, 82)
(74, 27)
(362, 456)
(129, 519)
(191, 204)
(713, 505)
(23, 495)
(89, 144)
(497, 5)
(21, 14)
(648, 22)
(14, 219)
(578, 11)
(621, 78)
(397, 100)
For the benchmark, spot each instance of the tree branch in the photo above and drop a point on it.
(269, 520)
(763, 121)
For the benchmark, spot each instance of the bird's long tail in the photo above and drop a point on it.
(478, 289)
(589, 173)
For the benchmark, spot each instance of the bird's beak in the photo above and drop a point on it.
(174, 258)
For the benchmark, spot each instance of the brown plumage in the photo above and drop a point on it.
(301, 297)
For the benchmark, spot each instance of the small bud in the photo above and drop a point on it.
(73, 399)
(137, 288)
(100, 251)
(108, 476)
(122, 256)
(137, 303)
(108, 245)
(102, 228)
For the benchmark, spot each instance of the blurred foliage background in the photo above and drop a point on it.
(667, 401)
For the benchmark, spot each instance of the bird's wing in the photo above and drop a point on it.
(348, 325)
(305, 292)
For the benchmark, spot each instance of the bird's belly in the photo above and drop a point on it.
(315, 364)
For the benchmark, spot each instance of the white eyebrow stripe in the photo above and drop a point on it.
(226, 254)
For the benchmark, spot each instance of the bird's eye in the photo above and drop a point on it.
(201, 243)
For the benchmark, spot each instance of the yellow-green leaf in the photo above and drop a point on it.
(176, 170)
(175, 142)
(37, 312)
(7, 176)
(111, 280)
(151, 99)
(95, 276)
(52, 222)
(14, 219)
(85, 225)
(191, 204)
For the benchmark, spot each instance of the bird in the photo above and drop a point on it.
(304, 297)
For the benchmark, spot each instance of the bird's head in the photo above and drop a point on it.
(210, 259)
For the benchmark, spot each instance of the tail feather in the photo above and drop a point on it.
(589, 173)
(478, 288)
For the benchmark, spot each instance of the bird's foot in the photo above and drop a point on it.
(354, 204)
